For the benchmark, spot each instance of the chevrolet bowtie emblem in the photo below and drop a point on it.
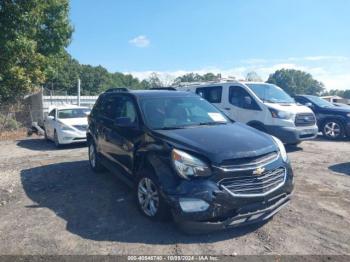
(258, 171)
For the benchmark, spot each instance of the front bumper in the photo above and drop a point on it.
(70, 137)
(226, 210)
(267, 211)
(293, 135)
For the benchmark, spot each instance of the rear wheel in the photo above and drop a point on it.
(94, 159)
(149, 199)
(333, 129)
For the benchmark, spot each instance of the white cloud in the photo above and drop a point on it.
(140, 41)
(333, 71)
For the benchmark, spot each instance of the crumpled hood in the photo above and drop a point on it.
(292, 108)
(74, 121)
(221, 142)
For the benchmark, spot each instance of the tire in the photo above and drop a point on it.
(333, 130)
(55, 140)
(94, 158)
(149, 199)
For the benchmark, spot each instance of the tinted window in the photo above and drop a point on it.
(319, 101)
(119, 106)
(180, 112)
(239, 97)
(53, 113)
(73, 113)
(212, 93)
(301, 100)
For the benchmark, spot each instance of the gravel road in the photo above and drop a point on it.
(51, 203)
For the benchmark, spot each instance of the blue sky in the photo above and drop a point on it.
(173, 37)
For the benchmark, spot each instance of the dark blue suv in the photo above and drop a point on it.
(186, 159)
(333, 121)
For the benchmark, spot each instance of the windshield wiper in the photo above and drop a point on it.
(170, 128)
(212, 123)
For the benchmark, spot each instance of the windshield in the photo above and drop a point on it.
(180, 112)
(320, 101)
(73, 113)
(270, 93)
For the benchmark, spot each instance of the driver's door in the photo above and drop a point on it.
(243, 106)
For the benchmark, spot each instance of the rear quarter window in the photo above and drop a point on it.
(212, 93)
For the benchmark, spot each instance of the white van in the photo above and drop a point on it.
(260, 105)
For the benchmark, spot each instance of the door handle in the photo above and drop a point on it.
(227, 108)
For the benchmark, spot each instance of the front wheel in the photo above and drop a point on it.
(149, 199)
(333, 129)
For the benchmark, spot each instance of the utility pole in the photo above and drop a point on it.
(78, 96)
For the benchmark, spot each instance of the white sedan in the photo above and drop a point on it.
(66, 124)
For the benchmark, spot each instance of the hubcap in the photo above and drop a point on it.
(148, 196)
(92, 155)
(332, 129)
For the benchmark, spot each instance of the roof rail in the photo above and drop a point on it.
(218, 81)
(163, 88)
(117, 89)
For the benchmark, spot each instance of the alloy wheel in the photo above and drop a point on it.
(148, 196)
(332, 129)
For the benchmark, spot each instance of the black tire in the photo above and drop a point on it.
(333, 129)
(162, 210)
(94, 158)
(55, 140)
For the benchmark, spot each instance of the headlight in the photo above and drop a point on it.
(65, 127)
(281, 148)
(189, 166)
(348, 114)
(280, 114)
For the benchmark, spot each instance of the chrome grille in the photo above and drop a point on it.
(81, 127)
(248, 162)
(254, 185)
(307, 119)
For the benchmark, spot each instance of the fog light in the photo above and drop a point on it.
(193, 205)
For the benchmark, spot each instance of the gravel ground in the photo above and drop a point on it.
(51, 203)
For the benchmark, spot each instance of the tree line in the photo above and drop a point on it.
(34, 35)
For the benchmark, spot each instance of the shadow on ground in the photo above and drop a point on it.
(41, 144)
(100, 207)
(343, 168)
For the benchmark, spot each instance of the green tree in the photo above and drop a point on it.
(192, 77)
(253, 76)
(33, 33)
(296, 82)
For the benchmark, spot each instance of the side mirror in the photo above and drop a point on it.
(247, 100)
(124, 122)
(308, 104)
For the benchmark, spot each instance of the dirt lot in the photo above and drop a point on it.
(51, 203)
